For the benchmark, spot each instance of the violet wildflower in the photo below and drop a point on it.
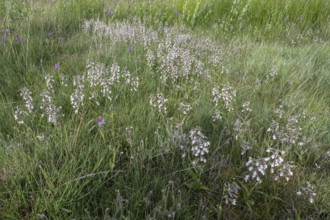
(130, 48)
(3, 40)
(103, 4)
(57, 66)
(5, 31)
(178, 13)
(108, 13)
(100, 121)
(18, 38)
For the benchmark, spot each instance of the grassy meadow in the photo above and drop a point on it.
(164, 109)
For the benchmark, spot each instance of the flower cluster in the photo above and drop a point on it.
(217, 116)
(51, 111)
(77, 100)
(115, 74)
(132, 82)
(289, 134)
(49, 82)
(26, 95)
(246, 107)
(150, 59)
(20, 114)
(256, 168)
(159, 101)
(123, 31)
(95, 73)
(174, 57)
(227, 95)
(195, 143)
(272, 74)
(231, 193)
(199, 145)
(185, 108)
(216, 95)
(215, 60)
(98, 79)
(308, 191)
(77, 97)
(276, 164)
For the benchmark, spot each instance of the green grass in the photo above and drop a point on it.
(273, 54)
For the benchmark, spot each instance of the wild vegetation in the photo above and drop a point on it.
(137, 109)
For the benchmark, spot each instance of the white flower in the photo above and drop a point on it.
(246, 107)
(26, 95)
(50, 110)
(184, 108)
(159, 101)
(199, 145)
(308, 192)
(19, 115)
(231, 190)
(49, 82)
(77, 99)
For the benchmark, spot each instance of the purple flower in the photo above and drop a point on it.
(108, 13)
(57, 66)
(129, 48)
(3, 40)
(50, 34)
(19, 39)
(103, 4)
(177, 12)
(5, 31)
(100, 121)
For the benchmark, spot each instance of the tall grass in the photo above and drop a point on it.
(164, 109)
(270, 19)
